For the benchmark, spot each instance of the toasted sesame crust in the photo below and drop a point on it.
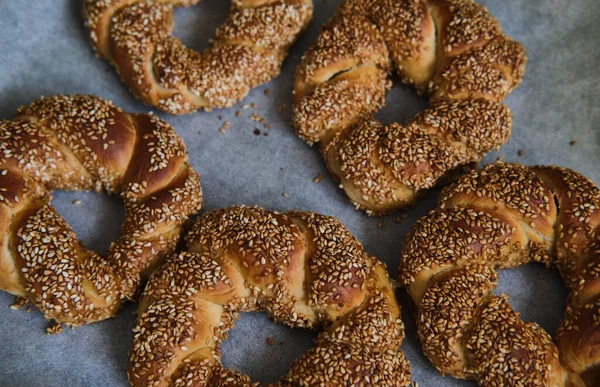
(500, 217)
(248, 50)
(452, 50)
(84, 143)
(303, 269)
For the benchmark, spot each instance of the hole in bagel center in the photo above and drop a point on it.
(95, 218)
(536, 292)
(401, 103)
(263, 349)
(195, 26)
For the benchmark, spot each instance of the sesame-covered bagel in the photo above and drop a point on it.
(500, 217)
(451, 50)
(248, 49)
(303, 269)
(85, 143)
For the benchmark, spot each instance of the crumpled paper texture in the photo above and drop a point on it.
(45, 52)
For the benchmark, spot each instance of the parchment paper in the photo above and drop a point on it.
(44, 51)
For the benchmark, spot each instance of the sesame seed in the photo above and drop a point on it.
(54, 329)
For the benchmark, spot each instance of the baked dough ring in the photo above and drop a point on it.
(85, 143)
(249, 48)
(500, 217)
(452, 50)
(303, 269)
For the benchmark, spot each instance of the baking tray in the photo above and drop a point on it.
(44, 51)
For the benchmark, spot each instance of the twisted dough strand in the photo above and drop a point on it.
(504, 216)
(249, 48)
(303, 269)
(452, 50)
(84, 143)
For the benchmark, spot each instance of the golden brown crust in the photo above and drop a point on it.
(500, 217)
(82, 142)
(303, 269)
(452, 50)
(249, 48)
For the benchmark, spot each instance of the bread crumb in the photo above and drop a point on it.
(399, 218)
(19, 302)
(521, 152)
(223, 127)
(267, 91)
(381, 224)
(54, 329)
(318, 178)
(257, 118)
(573, 143)
(76, 202)
(286, 195)
(270, 340)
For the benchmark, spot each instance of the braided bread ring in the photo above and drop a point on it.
(452, 50)
(303, 269)
(500, 217)
(84, 143)
(248, 50)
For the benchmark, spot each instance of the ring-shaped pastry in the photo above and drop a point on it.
(85, 143)
(451, 50)
(303, 269)
(248, 49)
(504, 216)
